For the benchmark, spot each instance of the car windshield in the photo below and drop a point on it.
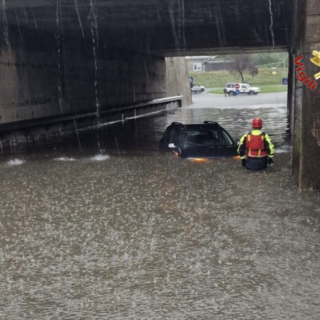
(248, 85)
(206, 137)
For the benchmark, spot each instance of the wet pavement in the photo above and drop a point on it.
(134, 233)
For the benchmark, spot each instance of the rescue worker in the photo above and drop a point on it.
(255, 148)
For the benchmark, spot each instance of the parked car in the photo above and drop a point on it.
(207, 140)
(244, 88)
(195, 88)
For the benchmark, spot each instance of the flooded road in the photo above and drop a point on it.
(134, 233)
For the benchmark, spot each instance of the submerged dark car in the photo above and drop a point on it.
(207, 140)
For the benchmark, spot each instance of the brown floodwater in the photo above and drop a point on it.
(133, 233)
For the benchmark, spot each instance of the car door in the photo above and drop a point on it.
(195, 88)
(243, 88)
(167, 137)
(172, 136)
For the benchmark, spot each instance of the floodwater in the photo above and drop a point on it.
(134, 233)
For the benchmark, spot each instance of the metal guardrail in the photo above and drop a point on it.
(13, 135)
(176, 100)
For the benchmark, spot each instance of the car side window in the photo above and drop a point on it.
(224, 138)
(243, 86)
(175, 138)
(215, 135)
(172, 135)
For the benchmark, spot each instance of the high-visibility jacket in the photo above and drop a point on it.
(255, 144)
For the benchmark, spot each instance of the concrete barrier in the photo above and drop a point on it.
(37, 131)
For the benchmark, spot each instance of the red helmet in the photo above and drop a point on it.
(257, 123)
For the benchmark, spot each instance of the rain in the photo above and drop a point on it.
(96, 222)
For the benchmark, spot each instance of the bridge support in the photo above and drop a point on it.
(306, 105)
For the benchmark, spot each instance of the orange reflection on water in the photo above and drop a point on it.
(199, 159)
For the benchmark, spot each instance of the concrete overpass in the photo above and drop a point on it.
(66, 57)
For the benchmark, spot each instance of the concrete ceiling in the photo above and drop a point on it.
(158, 27)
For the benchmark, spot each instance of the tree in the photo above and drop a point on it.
(241, 63)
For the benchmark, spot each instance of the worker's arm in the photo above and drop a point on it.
(269, 146)
(242, 147)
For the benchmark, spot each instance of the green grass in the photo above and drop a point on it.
(216, 91)
(273, 88)
(218, 79)
(264, 89)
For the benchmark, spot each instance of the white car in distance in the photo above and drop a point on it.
(197, 89)
(244, 88)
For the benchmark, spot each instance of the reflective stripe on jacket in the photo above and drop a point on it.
(244, 148)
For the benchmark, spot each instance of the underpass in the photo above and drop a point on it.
(96, 222)
(64, 58)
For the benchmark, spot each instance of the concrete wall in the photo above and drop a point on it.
(306, 153)
(44, 75)
(298, 32)
(177, 79)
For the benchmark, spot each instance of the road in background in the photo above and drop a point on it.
(209, 100)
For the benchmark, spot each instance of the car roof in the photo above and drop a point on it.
(205, 124)
(240, 83)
